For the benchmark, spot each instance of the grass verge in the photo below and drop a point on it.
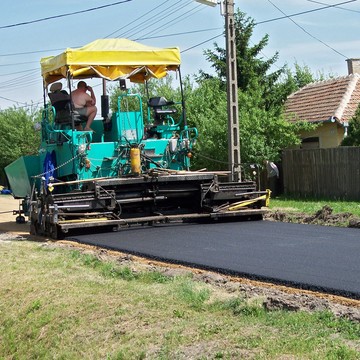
(66, 304)
(311, 206)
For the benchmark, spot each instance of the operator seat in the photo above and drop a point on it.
(160, 114)
(61, 102)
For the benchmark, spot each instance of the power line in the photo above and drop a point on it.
(160, 16)
(177, 34)
(14, 82)
(134, 21)
(24, 105)
(338, 7)
(31, 52)
(20, 72)
(14, 101)
(275, 19)
(20, 81)
(203, 42)
(303, 29)
(189, 13)
(63, 15)
(155, 18)
(31, 71)
(256, 23)
(180, 17)
(22, 63)
(19, 84)
(304, 12)
(142, 38)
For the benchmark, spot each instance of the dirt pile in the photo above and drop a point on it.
(324, 216)
(274, 297)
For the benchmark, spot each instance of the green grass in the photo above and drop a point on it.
(310, 206)
(66, 304)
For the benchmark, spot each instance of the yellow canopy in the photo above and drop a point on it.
(111, 59)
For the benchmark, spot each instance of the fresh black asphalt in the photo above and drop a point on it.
(306, 256)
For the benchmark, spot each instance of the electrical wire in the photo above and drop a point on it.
(31, 52)
(14, 101)
(18, 81)
(63, 15)
(274, 19)
(132, 22)
(22, 63)
(337, 7)
(144, 38)
(201, 43)
(181, 17)
(190, 13)
(308, 33)
(14, 82)
(151, 19)
(158, 18)
(177, 34)
(25, 105)
(304, 12)
(19, 85)
(20, 72)
(212, 38)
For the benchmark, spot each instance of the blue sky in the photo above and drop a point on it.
(320, 39)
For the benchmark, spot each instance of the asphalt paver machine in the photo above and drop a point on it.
(134, 167)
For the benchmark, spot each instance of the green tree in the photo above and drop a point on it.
(207, 111)
(262, 93)
(17, 134)
(303, 76)
(263, 130)
(252, 70)
(299, 77)
(255, 72)
(353, 137)
(263, 133)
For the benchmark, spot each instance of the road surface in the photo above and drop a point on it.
(312, 257)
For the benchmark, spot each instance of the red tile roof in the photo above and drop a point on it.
(321, 101)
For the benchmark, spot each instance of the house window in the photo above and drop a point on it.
(310, 143)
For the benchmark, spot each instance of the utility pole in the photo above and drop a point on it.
(232, 93)
(232, 89)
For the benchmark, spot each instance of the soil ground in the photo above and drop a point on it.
(274, 296)
(324, 216)
(7, 218)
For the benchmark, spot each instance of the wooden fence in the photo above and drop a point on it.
(322, 173)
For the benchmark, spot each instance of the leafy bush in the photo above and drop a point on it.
(17, 134)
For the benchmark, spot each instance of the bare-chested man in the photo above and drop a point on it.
(84, 103)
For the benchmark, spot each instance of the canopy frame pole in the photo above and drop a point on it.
(71, 102)
(147, 88)
(46, 105)
(182, 99)
(44, 93)
(68, 77)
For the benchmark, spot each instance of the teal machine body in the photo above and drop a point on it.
(134, 166)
